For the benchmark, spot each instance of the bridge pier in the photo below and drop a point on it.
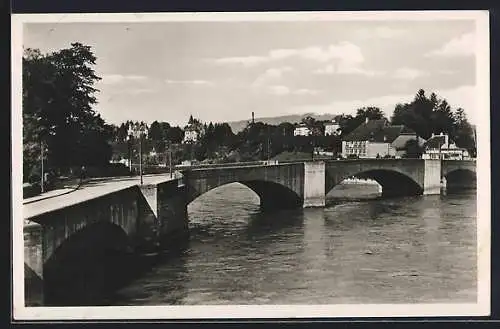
(172, 214)
(432, 177)
(314, 184)
(33, 267)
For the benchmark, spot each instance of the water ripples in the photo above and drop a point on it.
(404, 250)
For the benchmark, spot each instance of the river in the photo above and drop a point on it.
(400, 250)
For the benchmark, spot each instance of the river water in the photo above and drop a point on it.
(399, 250)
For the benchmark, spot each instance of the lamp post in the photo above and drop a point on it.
(140, 156)
(129, 141)
(42, 183)
(268, 144)
(170, 159)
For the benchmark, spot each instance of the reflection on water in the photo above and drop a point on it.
(402, 250)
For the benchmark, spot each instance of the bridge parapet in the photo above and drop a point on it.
(396, 176)
(277, 185)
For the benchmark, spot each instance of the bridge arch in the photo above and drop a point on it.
(393, 183)
(399, 177)
(460, 179)
(86, 265)
(272, 195)
(278, 186)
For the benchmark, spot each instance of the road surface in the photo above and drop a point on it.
(61, 198)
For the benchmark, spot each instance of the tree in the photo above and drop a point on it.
(442, 118)
(371, 112)
(155, 132)
(175, 135)
(347, 123)
(424, 115)
(464, 134)
(413, 149)
(58, 101)
(435, 115)
(122, 132)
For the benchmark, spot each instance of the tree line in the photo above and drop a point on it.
(58, 112)
(60, 116)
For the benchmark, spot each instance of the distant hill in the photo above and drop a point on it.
(237, 126)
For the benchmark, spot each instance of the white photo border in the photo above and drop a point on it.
(481, 308)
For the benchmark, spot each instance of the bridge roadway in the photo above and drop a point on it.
(97, 187)
(90, 189)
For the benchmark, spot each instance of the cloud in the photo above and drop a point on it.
(118, 78)
(463, 96)
(407, 73)
(245, 61)
(388, 33)
(463, 45)
(188, 82)
(382, 32)
(346, 68)
(343, 51)
(306, 92)
(279, 90)
(141, 91)
(270, 75)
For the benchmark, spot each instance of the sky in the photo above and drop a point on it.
(222, 71)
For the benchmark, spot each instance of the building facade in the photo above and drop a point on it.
(443, 147)
(302, 130)
(377, 139)
(332, 128)
(191, 134)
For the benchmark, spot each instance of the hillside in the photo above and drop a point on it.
(237, 126)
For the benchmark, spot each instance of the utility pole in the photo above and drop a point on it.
(170, 159)
(140, 155)
(268, 145)
(41, 177)
(129, 141)
(313, 144)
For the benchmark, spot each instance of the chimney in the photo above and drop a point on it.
(253, 118)
(446, 140)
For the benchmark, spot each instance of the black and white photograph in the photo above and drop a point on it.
(250, 165)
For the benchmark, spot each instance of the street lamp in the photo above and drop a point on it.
(42, 183)
(129, 146)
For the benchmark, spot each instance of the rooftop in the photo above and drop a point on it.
(378, 131)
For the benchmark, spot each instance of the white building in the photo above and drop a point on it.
(442, 147)
(376, 139)
(302, 130)
(136, 129)
(191, 134)
(332, 128)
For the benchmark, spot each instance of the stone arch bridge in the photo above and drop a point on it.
(134, 217)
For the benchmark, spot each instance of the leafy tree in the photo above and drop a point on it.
(464, 132)
(175, 135)
(347, 123)
(434, 115)
(155, 131)
(442, 118)
(58, 101)
(371, 112)
(413, 149)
